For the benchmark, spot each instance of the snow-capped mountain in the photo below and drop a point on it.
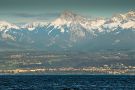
(125, 21)
(6, 26)
(71, 31)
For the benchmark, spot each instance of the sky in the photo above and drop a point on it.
(22, 11)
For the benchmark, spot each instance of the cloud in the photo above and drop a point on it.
(25, 15)
(36, 16)
(22, 18)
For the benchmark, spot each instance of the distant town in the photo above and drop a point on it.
(31, 62)
(106, 69)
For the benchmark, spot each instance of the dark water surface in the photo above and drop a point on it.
(67, 82)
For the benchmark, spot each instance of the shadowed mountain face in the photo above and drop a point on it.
(71, 32)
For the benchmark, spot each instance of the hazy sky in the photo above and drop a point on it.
(21, 11)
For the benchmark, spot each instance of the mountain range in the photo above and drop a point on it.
(71, 32)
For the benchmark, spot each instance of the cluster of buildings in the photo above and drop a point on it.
(105, 69)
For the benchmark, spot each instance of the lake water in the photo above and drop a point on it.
(67, 82)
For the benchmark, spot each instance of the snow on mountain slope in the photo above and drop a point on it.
(6, 25)
(34, 25)
(69, 19)
(125, 21)
(128, 24)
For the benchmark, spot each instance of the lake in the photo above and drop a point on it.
(67, 82)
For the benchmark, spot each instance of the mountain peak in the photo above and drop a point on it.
(65, 18)
(130, 14)
(71, 16)
(68, 15)
(125, 16)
